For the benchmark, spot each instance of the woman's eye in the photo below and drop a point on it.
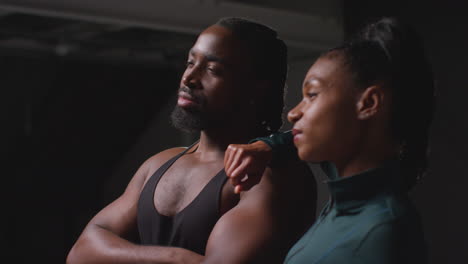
(311, 95)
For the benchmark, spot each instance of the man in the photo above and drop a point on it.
(178, 201)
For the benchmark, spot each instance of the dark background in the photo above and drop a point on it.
(74, 128)
(442, 196)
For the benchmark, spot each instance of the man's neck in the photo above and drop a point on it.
(213, 142)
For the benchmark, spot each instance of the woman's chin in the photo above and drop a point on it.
(308, 156)
(304, 155)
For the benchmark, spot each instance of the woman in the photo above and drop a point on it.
(365, 114)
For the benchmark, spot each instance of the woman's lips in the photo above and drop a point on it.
(297, 134)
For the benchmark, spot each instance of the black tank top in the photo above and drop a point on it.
(189, 228)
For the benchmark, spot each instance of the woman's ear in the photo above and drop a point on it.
(370, 102)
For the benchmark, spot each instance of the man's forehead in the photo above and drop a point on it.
(220, 45)
(208, 54)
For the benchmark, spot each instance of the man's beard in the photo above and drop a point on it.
(189, 120)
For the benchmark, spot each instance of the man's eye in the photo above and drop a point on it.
(189, 63)
(213, 70)
(311, 95)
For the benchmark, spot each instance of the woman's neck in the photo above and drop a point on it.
(371, 154)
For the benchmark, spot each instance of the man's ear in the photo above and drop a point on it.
(370, 102)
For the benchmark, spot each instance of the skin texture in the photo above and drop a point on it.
(217, 71)
(246, 159)
(325, 112)
(336, 121)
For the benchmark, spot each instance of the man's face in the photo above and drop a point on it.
(213, 85)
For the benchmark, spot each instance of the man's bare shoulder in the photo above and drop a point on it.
(293, 179)
(157, 160)
(293, 184)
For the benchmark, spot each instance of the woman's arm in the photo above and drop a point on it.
(250, 160)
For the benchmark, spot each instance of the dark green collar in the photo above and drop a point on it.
(353, 191)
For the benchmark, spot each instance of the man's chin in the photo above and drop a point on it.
(187, 119)
(191, 108)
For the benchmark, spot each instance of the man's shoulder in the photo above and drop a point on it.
(292, 188)
(166, 154)
(157, 160)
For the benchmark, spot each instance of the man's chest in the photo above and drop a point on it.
(184, 182)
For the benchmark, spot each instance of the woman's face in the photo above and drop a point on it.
(326, 127)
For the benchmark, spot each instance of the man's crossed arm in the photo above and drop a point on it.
(241, 235)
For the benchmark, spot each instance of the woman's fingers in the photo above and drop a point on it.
(242, 160)
(246, 175)
(232, 158)
(246, 167)
(247, 184)
(228, 158)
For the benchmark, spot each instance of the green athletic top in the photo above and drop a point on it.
(369, 219)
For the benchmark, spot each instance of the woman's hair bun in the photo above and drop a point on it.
(398, 40)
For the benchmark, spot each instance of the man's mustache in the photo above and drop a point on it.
(199, 99)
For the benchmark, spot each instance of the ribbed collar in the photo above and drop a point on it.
(353, 191)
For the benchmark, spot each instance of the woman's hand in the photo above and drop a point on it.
(245, 163)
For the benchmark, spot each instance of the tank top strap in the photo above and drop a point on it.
(151, 184)
(189, 228)
(169, 163)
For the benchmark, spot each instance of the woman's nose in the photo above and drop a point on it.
(295, 114)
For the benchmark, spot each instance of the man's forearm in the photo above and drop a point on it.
(98, 245)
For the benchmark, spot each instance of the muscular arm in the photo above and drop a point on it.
(267, 221)
(245, 234)
(238, 235)
(105, 238)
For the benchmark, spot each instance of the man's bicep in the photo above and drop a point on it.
(239, 236)
(244, 234)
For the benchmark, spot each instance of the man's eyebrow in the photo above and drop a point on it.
(209, 57)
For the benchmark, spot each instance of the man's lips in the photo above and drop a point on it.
(185, 100)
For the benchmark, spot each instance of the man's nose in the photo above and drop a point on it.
(191, 78)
